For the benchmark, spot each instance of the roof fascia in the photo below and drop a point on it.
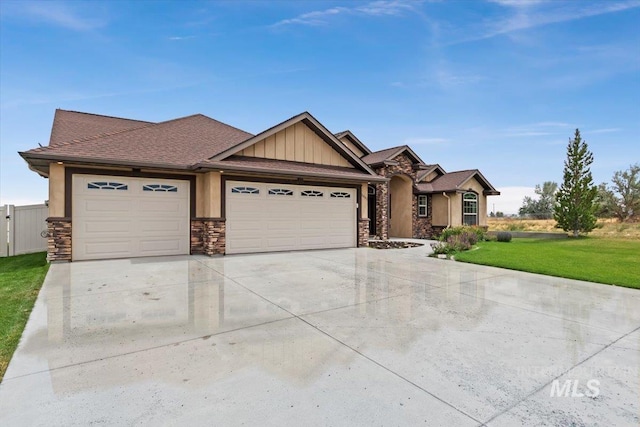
(103, 162)
(354, 139)
(221, 166)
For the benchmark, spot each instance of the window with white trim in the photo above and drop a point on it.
(340, 195)
(311, 193)
(245, 190)
(160, 188)
(280, 192)
(422, 205)
(470, 208)
(103, 185)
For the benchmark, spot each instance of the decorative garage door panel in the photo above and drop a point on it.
(276, 217)
(121, 217)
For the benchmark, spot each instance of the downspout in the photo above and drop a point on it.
(448, 209)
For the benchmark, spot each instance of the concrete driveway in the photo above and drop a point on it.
(337, 337)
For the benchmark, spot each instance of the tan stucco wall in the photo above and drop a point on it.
(364, 201)
(296, 143)
(456, 209)
(439, 210)
(440, 206)
(208, 195)
(482, 200)
(400, 222)
(56, 190)
(351, 146)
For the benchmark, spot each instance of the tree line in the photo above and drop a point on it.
(578, 203)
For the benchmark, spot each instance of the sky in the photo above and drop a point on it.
(496, 85)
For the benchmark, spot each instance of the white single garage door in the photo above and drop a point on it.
(122, 217)
(265, 217)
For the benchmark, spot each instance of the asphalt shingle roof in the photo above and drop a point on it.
(179, 142)
(382, 155)
(448, 182)
(73, 125)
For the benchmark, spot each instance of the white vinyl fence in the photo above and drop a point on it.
(23, 229)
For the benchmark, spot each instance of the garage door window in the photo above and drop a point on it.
(340, 195)
(160, 188)
(280, 192)
(245, 190)
(103, 185)
(311, 193)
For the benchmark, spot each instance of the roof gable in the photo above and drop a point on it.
(285, 137)
(456, 182)
(348, 135)
(387, 155)
(429, 169)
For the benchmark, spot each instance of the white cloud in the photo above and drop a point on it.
(60, 14)
(536, 130)
(376, 8)
(517, 3)
(606, 130)
(531, 14)
(178, 38)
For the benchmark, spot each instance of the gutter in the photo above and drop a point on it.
(298, 174)
(103, 162)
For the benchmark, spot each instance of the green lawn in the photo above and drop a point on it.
(20, 280)
(615, 262)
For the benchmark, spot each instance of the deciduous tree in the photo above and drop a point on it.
(626, 189)
(542, 207)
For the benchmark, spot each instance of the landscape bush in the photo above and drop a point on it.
(478, 232)
(457, 239)
(504, 236)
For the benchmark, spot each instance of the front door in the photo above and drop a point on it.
(372, 211)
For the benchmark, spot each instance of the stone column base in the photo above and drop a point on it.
(363, 232)
(208, 236)
(58, 239)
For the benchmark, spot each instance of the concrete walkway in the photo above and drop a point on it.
(336, 337)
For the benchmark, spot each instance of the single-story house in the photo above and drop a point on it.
(193, 185)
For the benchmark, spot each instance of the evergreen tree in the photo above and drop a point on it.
(575, 207)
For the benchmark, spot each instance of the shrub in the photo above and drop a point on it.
(441, 248)
(503, 236)
(477, 232)
(457, 239)
(461, 242)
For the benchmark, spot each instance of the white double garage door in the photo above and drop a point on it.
(125, 217)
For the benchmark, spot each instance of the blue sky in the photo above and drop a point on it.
(495, 85)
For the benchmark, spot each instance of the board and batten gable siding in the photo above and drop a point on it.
(351, 146)
(297, 143)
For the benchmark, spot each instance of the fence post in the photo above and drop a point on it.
(12, 229)
(4, 230)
